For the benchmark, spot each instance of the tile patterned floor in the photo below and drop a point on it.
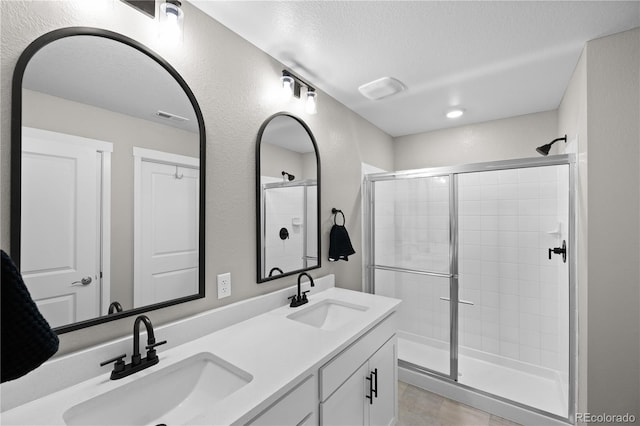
(419, 407)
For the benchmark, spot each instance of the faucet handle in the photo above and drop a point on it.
(304, 294)
(294, 300)
(119, 363)
(153, 345)
(151, 350)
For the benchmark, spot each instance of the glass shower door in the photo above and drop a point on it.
(410, 260)
(514, 292)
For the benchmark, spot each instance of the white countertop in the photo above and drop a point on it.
(276, 351)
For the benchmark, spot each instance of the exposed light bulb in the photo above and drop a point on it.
(287, 85)
(171, 21)
(312, 105)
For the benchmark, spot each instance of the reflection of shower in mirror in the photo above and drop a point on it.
(287, 176)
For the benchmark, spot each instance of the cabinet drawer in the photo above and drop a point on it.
(296, 407)
(336, 371)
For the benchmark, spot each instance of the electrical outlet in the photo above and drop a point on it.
(224, 285)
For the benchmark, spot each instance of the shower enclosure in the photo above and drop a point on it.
(482, 257)
(289, 222)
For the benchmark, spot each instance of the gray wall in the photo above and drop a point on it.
(613, 205)
(236, 85)
(515, 137)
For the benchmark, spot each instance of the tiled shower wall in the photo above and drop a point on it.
(507, 222)
(284, 209)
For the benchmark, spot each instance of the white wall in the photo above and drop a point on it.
(236, 85)
(509, 138)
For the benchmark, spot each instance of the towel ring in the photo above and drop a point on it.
(335, 215)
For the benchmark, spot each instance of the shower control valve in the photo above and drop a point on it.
(560, 250)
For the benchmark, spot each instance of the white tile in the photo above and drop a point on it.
(507, 176)
(529, 289)
(507, 207)
(509, 350)
(530, 338)
(529, 207)
(509, 271)
(549, 342)
(508, 223)
(509, 333)
(509, 286)
(530, 355)
(530, 174)
(490, 223)
(529, 322)
(530, 305)
(528, 190)
(528, 239)
(489, 238)
(489, 207)
(509, 302)
(491, 299)
(490, 345)
(508, 191)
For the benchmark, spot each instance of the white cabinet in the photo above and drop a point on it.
(359, 386)
(383, 406)
(296, 407)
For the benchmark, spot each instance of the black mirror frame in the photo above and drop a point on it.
(16, 159)
(259, 278)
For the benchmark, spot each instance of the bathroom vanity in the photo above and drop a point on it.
(330, 361)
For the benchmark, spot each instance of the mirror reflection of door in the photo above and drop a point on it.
(61, 252)
(94, 85)
(166, 226)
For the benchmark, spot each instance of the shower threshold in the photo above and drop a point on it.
(524, 383)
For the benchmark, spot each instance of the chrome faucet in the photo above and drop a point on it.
(120, 369)
(301, 299)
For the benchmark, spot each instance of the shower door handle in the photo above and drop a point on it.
(560, 250)
(464, 302)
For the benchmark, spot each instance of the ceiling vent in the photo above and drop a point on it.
(172, 117)
(381, 88)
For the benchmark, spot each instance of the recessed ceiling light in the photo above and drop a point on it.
(381, 88)
(455, 113)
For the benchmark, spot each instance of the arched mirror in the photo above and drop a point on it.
(287, 198)
(108, 164)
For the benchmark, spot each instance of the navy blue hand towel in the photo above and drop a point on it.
(27, 338)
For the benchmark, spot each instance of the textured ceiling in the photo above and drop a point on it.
(109, 75)
(494, 59)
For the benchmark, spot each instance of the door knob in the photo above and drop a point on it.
(560, 250)
(85, 281)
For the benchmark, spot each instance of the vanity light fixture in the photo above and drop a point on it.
(292, 85)
(455, 113)
(171, 21)
(311, 106)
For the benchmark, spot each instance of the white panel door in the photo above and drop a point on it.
(169, 233)
(59, 227)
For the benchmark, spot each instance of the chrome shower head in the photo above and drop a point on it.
(544, 149)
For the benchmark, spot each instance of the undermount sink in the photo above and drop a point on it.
(173, 395)
(328, 314)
